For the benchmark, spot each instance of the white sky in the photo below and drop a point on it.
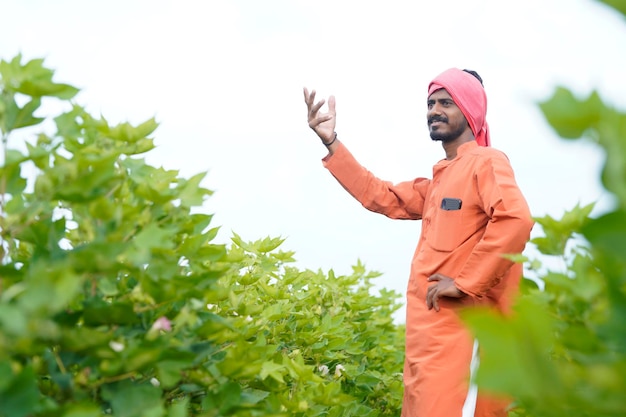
(224, 79)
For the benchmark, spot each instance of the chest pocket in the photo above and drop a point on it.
(446, 231)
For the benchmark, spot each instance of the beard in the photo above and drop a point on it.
(449, 136)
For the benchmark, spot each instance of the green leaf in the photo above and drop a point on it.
(9, 112)
(14, 182)
(274, 370)
(226, 399)
(24, 116)
(253, 396)
(14, 157)
(134, 400)
(607, 233)
(179, 408)
(141, 358)
(39, 154)
(13, 321)
(49, 288)
(82, 410)
(170, 372)
(43, 87)
(618, 5)
(97, 256)
(96, 179)
(125, 132)
(6, 375)
(80, 338)
(190, 192)
(20, 397)
(268, 244)
(611, 135)
(97, 312)
(515, 355)
(570, 117)
(559, 232)
(33, 79)
(152, 236)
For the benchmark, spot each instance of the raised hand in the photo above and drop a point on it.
(322, 123)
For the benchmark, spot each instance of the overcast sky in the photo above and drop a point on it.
(225, 79)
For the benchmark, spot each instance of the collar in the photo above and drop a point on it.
(466, 148)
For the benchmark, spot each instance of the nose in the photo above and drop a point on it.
(434, 109)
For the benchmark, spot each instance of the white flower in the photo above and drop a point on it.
(338, 370)
(155, 382)
(116, 346)
(323, 370)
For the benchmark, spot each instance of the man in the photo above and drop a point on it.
(472, 213)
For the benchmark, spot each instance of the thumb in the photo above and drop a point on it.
(331, 104)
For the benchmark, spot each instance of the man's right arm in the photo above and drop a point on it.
(404, 200)
(400, 201)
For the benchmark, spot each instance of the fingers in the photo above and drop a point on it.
(315, 119)
(313, 110)
(313, 123)
(309, 98)
(435, 277)
(432, 297)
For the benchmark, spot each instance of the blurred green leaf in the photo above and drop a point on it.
(20, 397)
(191, 194)
(134, 400)
(152, 236)
(178, 409)
(127, 133)
(607, 233)
(559, 232)
(33, 79)
(569, 116)
(97, 312)
(25, 115)
(170, 372)
(619, 5)
(82, 410)
(516, 359)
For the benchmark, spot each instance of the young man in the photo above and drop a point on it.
(472, 213)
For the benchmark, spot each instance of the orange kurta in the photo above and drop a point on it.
(464, 244)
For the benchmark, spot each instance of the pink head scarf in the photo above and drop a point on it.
(469, 94)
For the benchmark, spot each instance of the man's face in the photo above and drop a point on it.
(446, 122)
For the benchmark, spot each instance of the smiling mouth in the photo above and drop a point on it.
(436, 121)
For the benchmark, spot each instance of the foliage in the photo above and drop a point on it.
(563, 351)
(113, 300)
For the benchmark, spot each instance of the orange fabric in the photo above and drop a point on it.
(464, 244)
(468, 93)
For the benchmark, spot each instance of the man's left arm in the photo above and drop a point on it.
(507, 231)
